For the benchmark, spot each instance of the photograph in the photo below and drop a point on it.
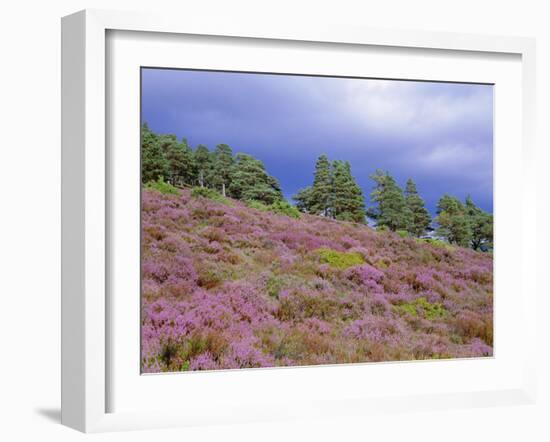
(292, 220)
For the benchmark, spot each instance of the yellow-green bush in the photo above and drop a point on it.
(284, 208)
(162, 186)
(435, 242)
(278, 207)
(253, 204)
(211, 194)
(429, 310)
(340, 260)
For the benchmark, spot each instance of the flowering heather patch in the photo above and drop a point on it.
(229, 286)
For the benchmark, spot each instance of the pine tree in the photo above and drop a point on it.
(250, 181)
(303, 199)
(391, 210)
(203, 164)
(274, 184)
(188, 170)
(170, 149)
(453, 220)
(356, 200)
(322, 187)
(180, 159)
(223, 167)
(154, 164)
(481, 224)
(347, 199)
(420, 219)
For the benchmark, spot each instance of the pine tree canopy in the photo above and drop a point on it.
(391, 208)
(180, 159)
(223, 167)
(334, 193)
(481, 224)
(304, 199)
(348, 203)
(454, 223)
(420, 218)
(154, 164)
(250, 181)
(203, 165)
(322, 185)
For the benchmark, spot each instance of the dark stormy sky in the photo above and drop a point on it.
(438, 134)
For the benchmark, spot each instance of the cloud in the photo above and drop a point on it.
(453, 157)
(419, 109)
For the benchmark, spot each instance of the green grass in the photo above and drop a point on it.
(162, 186)
(435, 242)
(211, 194)
(253, 204)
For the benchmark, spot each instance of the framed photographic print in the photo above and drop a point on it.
(234, 275)
(280, 223)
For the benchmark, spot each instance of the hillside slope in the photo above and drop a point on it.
(228, 286)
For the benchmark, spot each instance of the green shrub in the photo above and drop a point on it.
(162, 186)
(284, 208)
(184, 366)
(407, 308)
(211, 194)
(435, 242)
(430, 310)
(433, 310)
(340, 260)
(253, 204)
(402, 233)
(382, 228)
(383, 263)
(440, 243)
(273, 286)
(278, 207)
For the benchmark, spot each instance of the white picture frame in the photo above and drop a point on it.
(86, 206)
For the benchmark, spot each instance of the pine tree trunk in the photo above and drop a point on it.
(201, 178)
(223, 189)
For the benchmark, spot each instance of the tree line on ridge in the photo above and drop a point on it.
(334, 192)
